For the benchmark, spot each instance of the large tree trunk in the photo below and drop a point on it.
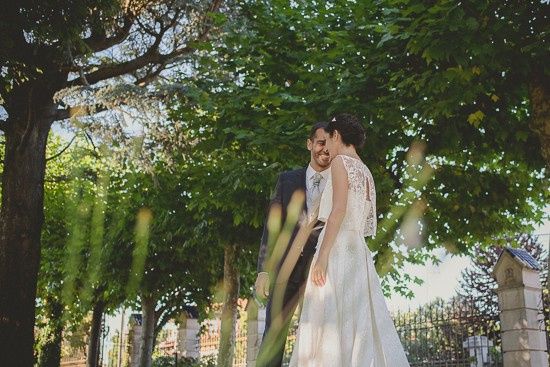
(30, 115)
(147, 331)
(50, 355)
(92, 356)
(231, 286)
(539, 91)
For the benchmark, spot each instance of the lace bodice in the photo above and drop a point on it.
(361, 205)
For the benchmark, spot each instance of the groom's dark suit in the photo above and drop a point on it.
(288, 183)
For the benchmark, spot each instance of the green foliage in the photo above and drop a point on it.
(448, 137)
(79, 265)
(178, 266)
(164, 361)
(462, 73)
(232, 164)
(114, 234)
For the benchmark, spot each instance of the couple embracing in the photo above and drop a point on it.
(344, 320)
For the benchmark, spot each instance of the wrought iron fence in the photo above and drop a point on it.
(445, 333)
(452, 333)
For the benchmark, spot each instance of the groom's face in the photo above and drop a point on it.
(320, 159)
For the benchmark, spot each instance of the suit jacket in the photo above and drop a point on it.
(288, 183)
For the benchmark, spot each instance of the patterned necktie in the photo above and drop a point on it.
(317, 177)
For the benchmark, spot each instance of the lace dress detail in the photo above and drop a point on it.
(361, 206)
(346, 323)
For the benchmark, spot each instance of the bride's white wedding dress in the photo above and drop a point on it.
(346, 322)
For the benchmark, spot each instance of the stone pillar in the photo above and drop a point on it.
(134, 339)
(520, 302)
(189, 338)
(255, 326)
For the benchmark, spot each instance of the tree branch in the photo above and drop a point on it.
(144, 28)
(90, 140)
(100, 42)
(62, 150)
(149, 77)
(110, 71)
(164, 318)
(88, 174)
(151, 56)
(76, 111)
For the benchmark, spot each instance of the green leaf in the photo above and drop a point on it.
(476, 118)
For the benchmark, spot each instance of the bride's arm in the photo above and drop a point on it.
(334, 221)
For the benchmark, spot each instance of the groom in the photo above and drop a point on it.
(311, 181)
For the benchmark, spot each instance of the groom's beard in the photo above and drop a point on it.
(323, 160)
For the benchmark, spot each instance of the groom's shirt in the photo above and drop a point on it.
(313, 190)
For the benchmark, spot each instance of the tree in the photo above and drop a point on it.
(81, 270)
(231, 169)
(114, 234)
(53, 314)
(46, 47)
(172, 263)
(456, 185)
(230, 178)
(471, 78)
(225, 204)
(477, 68)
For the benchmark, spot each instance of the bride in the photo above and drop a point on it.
(344, 320)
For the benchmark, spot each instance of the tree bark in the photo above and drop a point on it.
(50, 355)
(147, 332)
(540, 104)
(229, 311)
(30, 115)
(92, 355)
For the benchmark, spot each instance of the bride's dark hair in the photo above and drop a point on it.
(349, 127)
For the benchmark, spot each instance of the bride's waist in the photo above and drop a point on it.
(350, 231)
(346, 234)
(347, 241)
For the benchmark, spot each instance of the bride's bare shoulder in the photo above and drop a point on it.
(337, 163)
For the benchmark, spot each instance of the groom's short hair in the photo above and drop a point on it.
(315, 127)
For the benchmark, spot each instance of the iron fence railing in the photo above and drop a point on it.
(453, 333)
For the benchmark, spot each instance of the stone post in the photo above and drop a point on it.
(520, 302)
(189, 337)
(134, 338)
(255, 325)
